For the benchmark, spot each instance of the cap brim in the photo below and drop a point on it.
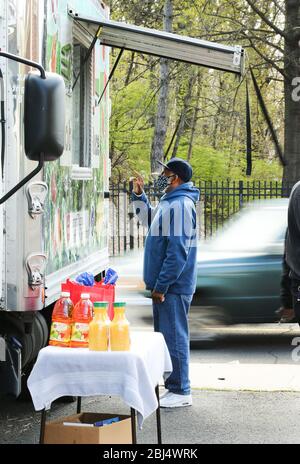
(162, 164)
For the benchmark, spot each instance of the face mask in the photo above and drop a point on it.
(162, 182)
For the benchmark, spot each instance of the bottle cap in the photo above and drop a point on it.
(85, 296)
(101, 304)
(65, 294)
(119, 305)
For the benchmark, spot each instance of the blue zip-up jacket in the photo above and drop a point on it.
(171, 243)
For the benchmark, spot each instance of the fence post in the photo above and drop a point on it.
(112, 215)
(118, 220)
(131, 216)
(125, 206)
(241, 193)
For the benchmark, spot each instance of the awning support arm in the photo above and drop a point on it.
(111, 74)
(248, 133)
(88, 54)
(268, 120)
(173, 137)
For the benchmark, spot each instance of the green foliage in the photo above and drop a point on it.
(211, 164)
(213, 131)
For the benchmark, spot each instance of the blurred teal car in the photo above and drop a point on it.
(239, 270)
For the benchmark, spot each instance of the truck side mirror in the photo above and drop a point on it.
(44, 116)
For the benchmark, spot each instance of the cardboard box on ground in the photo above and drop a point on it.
(116, 433)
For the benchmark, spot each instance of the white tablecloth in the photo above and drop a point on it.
(132, 375)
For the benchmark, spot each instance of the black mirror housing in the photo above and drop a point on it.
(44, 116)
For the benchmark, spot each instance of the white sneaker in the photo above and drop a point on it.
(172, 400)
(166, 393)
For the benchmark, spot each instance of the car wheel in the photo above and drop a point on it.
(204, 322)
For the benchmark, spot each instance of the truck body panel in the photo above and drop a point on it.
(72, 231)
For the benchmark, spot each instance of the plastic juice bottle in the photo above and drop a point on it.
(60, 333)
(119, 329)
(82, 316)
(99, 327)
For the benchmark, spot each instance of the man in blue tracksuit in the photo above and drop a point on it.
(170, 267)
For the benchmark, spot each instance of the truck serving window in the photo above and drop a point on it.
(82, 108)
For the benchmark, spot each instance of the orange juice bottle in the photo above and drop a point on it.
(99, 327)
(119, 329)
(82, 316)
(60, 332)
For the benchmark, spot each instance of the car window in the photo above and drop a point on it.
(253, 229)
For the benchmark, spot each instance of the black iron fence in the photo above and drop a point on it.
(219, 200)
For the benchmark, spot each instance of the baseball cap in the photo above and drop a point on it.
(180, 167)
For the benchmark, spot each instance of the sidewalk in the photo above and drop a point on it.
(246, 377)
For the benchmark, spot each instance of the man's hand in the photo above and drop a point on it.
(157, 297)
(138, 184)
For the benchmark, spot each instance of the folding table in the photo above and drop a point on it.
(133, 375)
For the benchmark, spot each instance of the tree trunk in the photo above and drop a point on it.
(291, 172)
(185, 108)
(157, 150)
(130, 68)
(195, 117)
(217, 117)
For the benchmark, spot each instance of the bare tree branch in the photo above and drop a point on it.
(280, 8)
(244, 35)
(266, 20)
(262, 39)
(267, 59)
(119, 158)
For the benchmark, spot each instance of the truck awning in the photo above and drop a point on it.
(164, 44)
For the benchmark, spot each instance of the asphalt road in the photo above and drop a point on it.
(251, 343)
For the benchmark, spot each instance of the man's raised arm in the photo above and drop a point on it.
(141, 204)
